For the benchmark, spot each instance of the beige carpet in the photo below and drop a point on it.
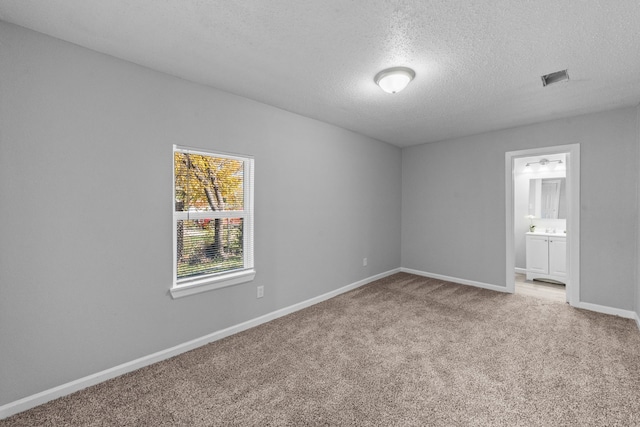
(402, 351)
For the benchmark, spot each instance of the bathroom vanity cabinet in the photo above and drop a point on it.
(546, 255)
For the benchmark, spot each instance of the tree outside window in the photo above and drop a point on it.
(210, 214)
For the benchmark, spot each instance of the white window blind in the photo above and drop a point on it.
(213, 220)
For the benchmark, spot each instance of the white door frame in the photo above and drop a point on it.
(573, 215)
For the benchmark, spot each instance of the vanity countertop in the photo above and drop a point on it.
(544, 233)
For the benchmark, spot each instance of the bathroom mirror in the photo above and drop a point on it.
(547, 198)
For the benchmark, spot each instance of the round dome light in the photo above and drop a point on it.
(393, 80)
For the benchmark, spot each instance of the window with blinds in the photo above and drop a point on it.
(213, 220)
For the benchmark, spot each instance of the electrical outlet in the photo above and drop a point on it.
(364, 262)
(260, 291)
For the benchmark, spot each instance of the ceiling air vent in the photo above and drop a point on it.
(558, 76)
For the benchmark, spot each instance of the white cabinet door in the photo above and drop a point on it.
(558, 256)
(537, 254)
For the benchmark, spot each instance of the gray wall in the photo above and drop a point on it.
(453, 203)
(637, 301)
(86, 231)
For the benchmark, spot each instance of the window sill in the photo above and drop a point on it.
(210, 283)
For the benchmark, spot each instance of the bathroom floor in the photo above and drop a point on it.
(538, 289)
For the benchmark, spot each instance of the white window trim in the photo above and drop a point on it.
(203, 283)
(209, 283)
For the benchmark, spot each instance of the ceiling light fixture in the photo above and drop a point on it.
(393, 80)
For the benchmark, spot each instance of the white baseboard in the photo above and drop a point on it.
(628, 314)
(79, 384)
(638, 320)
(520, 270)
(455, 280)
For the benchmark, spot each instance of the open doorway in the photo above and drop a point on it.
(542, 215)
(540, 225)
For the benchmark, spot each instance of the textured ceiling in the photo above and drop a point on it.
(478, 63)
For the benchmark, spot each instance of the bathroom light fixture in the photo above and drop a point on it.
(393, 80)
(543, 162)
